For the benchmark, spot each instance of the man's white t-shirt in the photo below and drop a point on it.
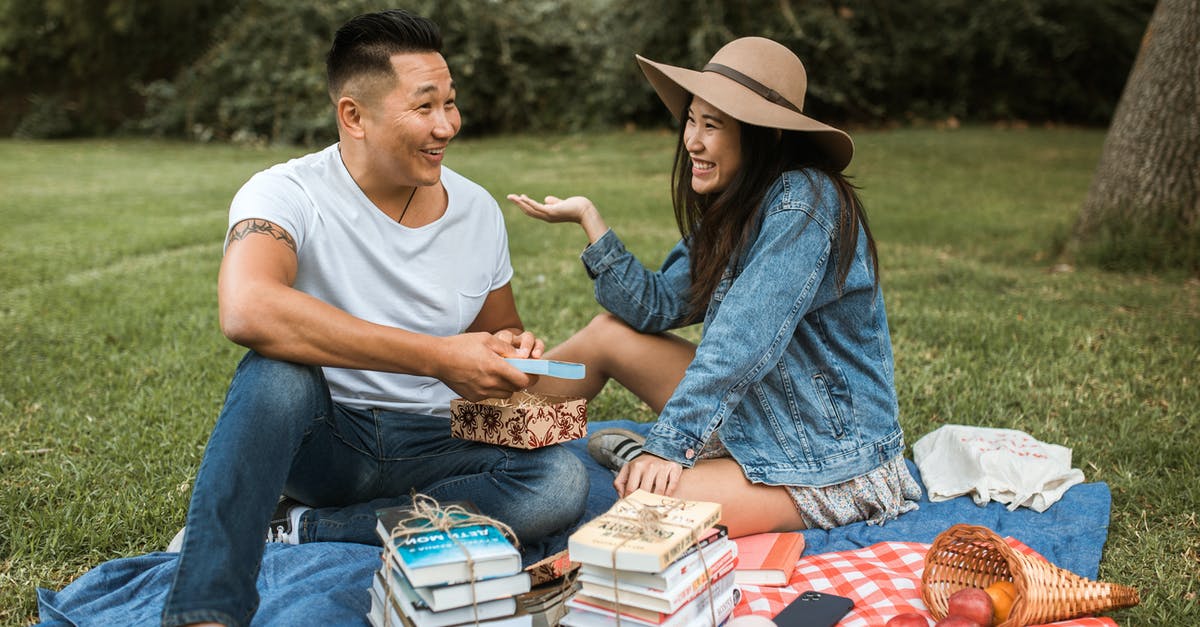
(431, 279)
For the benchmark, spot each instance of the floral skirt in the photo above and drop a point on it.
(876, 497)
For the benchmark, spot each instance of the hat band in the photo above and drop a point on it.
(749, 83)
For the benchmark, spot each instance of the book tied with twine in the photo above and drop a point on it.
(446, 565)
(434, 545)
(643, 532)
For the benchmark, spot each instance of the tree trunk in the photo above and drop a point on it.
(1144, 200)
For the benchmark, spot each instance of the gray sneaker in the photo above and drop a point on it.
(613, 448)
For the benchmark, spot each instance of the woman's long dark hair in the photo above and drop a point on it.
(720, 225)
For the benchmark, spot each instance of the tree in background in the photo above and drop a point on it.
(252, 70)
(1143, 207)
(72, 67)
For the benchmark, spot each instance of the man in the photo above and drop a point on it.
(371, 286)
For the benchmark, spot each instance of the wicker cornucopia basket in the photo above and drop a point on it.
(971, 556)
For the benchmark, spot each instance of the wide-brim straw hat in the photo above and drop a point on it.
(754, 80)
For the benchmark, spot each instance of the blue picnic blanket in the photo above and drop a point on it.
(326, 583)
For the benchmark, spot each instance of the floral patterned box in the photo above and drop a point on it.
(523, 421)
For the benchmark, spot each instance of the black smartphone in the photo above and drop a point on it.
(814, 609)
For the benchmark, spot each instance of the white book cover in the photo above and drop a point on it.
(464, 594)
(402, 599)
(715, 548)
(619, 537)
(665, 601)
(660, 600)
(697, 613)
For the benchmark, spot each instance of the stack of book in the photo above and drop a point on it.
(671, 568)
(553, 580)
(427, 580)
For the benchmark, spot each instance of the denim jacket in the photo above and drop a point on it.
(795, 376)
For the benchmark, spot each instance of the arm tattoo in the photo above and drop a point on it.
(246, 228)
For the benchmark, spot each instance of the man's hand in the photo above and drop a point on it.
(472, 364)
(648, 472)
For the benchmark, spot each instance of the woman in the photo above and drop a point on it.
(785, 412)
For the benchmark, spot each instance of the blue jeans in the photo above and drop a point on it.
(279, 432)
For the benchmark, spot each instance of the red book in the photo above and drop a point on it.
(768, 559)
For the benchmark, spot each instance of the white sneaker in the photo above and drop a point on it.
(283, 526)
(285, 522)
(176, 543)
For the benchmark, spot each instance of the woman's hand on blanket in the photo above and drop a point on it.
(648, 472)
(577, 209)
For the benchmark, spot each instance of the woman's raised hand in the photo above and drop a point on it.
(554, 209)
(577, 209)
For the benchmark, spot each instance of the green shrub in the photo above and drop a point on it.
(547, 65)
(71, 67)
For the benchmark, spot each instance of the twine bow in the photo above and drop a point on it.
(429, 515)
(647, 525)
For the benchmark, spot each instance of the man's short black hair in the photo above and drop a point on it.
(365, 45)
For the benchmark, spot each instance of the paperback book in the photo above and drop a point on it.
(619, 539)
(463, 554)
(590, 612)
(447, 597)
(666, 601)
(714, 546)
(546, 604)
(392, 593)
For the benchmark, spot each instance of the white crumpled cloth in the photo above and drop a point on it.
(1001, 465)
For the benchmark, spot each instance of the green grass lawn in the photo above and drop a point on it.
(113, 367)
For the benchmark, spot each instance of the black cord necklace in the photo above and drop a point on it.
(400, 220)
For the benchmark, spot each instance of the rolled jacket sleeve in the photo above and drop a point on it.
(749, 328)
(648, 301)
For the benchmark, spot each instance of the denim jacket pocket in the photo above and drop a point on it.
(829, 406)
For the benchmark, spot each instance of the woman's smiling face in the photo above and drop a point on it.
(713, 141)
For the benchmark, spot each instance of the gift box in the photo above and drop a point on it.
(524, 421)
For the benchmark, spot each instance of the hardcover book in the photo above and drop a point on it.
(621, 539)
(768, 559)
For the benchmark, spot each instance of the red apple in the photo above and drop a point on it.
(959, 621)
(908, 619)
(973, 604)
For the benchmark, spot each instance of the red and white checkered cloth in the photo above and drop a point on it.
(883, 580)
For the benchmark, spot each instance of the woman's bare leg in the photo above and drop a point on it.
(746, 508)
(649, 365)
